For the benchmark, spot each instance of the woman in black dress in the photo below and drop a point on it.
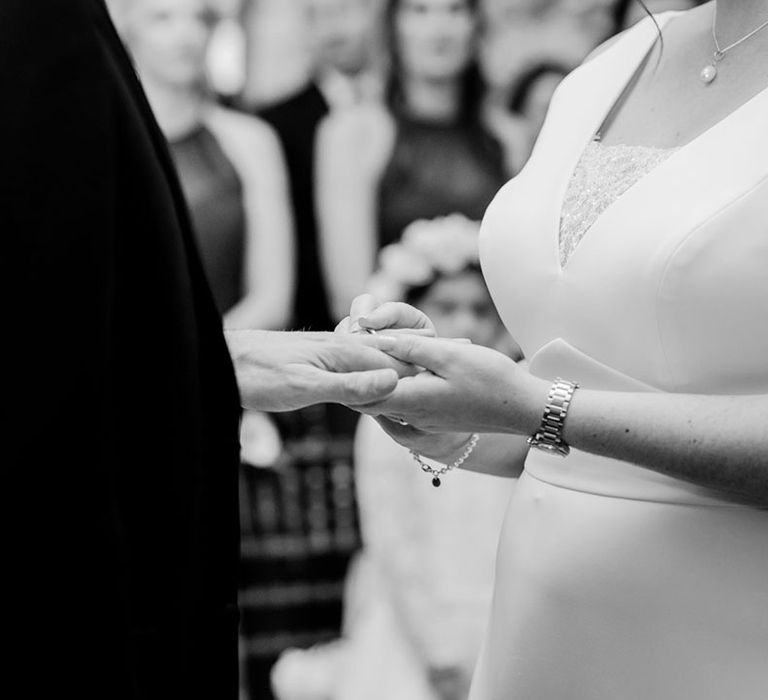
(230, 164)
(428, 152)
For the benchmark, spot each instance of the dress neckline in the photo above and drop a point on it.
(630, 146)
(603, 174)
(628, 86)
(617, 91)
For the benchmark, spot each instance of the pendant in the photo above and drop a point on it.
(708, 74)
(436, 481)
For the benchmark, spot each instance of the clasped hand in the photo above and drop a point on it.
(455, 387)
(440, 390)
(283, 371)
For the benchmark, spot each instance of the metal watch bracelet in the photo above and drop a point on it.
(549, 436)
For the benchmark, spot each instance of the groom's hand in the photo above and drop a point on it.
(283, 371)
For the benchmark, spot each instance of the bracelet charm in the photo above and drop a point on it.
(437, 472)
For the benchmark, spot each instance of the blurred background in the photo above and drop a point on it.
(327, 147)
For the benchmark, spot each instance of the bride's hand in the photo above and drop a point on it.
(367, 314)
(466, 388)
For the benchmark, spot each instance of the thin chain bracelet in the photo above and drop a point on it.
(437, 472)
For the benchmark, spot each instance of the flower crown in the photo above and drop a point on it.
(428, 249)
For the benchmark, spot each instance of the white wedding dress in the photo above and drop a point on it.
(615, 582)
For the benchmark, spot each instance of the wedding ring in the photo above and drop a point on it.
(398, 419)
(357, 328)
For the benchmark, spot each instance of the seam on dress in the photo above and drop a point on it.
(673, 253)
(738, 506)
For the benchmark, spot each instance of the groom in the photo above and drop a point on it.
(121, 453)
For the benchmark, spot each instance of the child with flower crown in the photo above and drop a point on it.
(418, 596)
(429, 553)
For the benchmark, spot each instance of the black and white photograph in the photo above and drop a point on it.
(385, 349)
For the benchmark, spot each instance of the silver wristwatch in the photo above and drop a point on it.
(549, 436)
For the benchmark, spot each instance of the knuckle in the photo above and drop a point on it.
(409, 345)
(355, 386)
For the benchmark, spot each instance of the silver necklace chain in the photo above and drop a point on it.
(722, 52)
(709, 72)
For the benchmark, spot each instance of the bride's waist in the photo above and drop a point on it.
(602, 476)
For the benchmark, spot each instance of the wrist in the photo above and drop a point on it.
(448, 447)
(524, 399)
(536, 402)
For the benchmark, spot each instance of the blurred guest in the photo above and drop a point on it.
(592, 20)
(345, 52)
(526, 34)
(345, 38)
(424, 583)
(233, 175)
(533, 91)
(630, 12)
(529, 100)
(523, 34)
(277, 56)
(427, 152)
(513, 10)
(231, 167)
(299, 518)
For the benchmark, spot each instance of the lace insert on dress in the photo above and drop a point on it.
(602, 175)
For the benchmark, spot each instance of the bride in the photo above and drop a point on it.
(629, 260)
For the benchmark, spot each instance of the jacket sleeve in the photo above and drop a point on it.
(56, 190)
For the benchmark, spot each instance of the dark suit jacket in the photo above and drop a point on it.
(121, 453)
